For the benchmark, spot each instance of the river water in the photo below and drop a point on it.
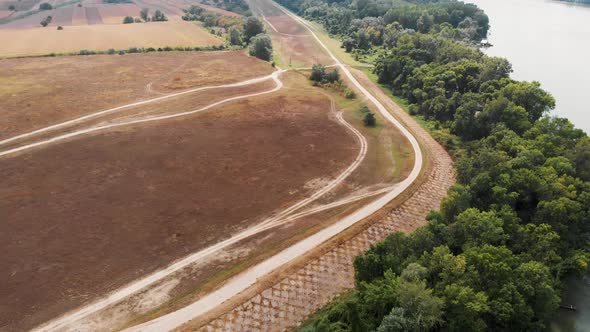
(549, 41)
(546, 41)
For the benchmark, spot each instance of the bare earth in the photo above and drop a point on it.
(81, 224)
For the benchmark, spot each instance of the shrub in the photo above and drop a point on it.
(45, 6)
(121, 52)
(261, 47)
(252, 28)
(128, 20)
(318, 74)
(318, 71)
(168, 49)
(111, 51)
(86, 52)
(332, 76)
(235, 36)
(159, 16)
(349, 94)
(12, 7)
(369, 120)
(150, 49)
(137, 20)
(60, 28)
(46, 21)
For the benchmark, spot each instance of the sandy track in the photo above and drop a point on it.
(248, 278)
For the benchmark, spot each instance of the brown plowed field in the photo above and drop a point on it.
(37, 92)
(89, 215)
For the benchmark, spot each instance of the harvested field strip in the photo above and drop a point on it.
(132, 153)
(21, 42)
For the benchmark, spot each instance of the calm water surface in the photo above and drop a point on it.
(546, 41)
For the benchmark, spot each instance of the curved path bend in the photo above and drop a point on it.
(284, 310)
(274, 76)
(84, 118)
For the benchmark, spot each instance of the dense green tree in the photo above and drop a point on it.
(159, 16)
(369, 120)
(45, 6)
(252, 28)
(261, 47)
(235, 36)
